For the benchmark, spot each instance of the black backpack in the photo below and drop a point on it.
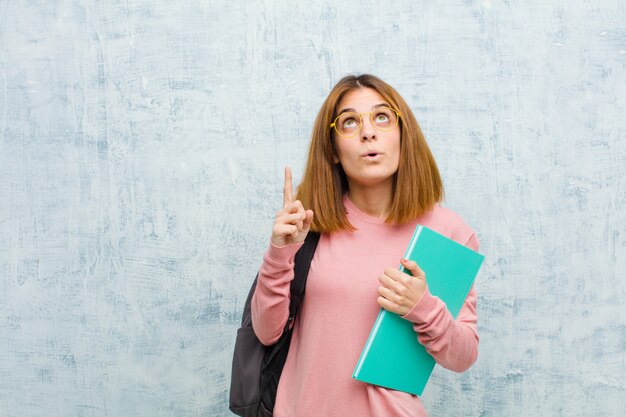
(256, 368)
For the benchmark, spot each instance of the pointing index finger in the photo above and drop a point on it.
(288, 188)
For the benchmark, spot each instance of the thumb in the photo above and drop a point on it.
(413, 267)
(308, 220)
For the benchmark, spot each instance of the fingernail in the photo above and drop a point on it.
(405, 260)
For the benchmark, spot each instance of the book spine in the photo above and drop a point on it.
(368, 344)
(416, 235)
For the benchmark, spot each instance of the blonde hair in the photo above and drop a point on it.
(417, 183)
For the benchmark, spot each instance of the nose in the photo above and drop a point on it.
(368, 132)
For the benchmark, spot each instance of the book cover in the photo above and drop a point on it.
(392, 356)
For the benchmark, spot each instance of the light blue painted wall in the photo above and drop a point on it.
(141, 155)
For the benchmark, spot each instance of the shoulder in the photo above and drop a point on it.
(449, 223)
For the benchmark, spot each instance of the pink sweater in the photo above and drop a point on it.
(338, 311)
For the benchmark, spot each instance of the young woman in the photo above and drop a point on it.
(369, 180)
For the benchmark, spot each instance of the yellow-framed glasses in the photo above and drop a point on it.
(348, 124)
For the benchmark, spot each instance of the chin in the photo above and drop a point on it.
(370, 175)
(370, 180)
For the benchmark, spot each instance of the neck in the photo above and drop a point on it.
(374, 200)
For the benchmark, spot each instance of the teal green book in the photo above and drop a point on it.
(392, 356)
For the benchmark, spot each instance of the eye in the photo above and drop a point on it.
(349, 123)
(381, 118)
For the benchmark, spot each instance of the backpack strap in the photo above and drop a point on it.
(276, 355)
(303, 259)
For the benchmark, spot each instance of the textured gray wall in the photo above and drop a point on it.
(141, 155)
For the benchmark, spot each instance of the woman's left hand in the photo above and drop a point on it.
(399, 291)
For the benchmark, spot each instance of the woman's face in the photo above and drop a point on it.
(354, 153)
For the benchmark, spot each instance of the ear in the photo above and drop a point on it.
(335, 158)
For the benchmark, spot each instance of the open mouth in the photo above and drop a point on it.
(371, 155)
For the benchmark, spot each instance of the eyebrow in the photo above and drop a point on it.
(373, 107)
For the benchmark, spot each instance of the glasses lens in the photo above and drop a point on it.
(384, 118)
(348, 124)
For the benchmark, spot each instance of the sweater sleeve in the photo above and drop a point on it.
(270, 302)
(453, 343)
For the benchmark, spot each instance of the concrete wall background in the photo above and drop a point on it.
(141, 155)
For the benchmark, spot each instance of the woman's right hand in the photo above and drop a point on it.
(292, 222)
